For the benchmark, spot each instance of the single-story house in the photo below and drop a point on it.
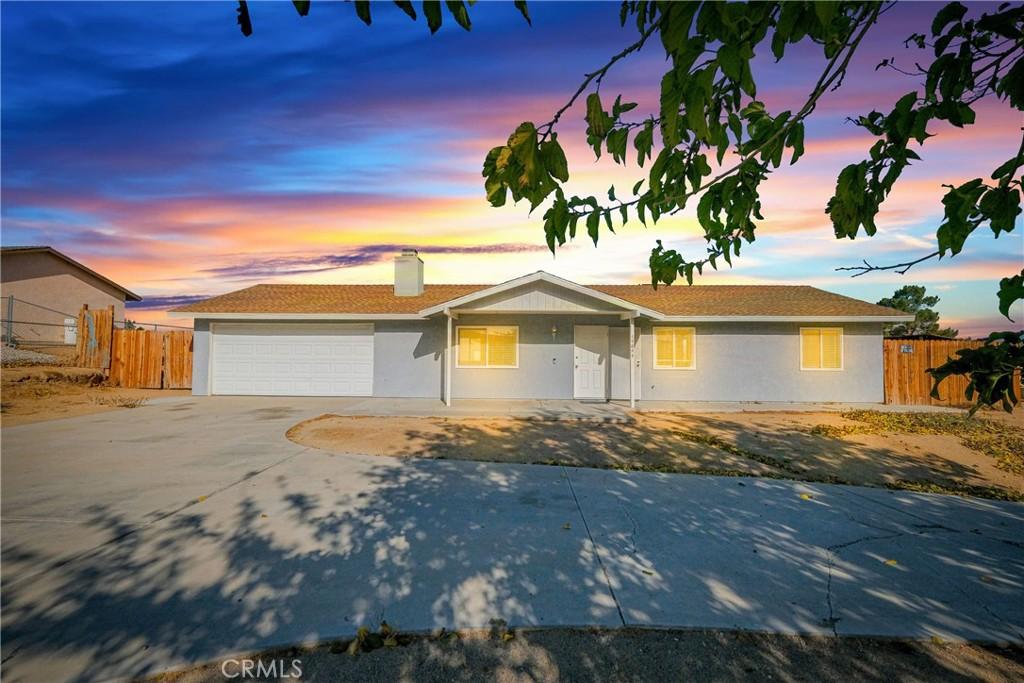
(43, 290)
(539, 337)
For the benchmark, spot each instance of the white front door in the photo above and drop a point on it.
(590, 361)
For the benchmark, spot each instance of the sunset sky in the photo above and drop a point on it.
(156, 144)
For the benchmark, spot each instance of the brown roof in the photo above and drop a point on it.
(327, 299)
(683, 300)
(725, 300)
(128, 294)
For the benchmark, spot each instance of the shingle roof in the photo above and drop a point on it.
(327, 299)
(728, 300)
(681, 300)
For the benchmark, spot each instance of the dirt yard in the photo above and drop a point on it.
(636, 655)
(38, 393)
(938, 452)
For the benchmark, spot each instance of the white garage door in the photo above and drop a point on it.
(292, 359)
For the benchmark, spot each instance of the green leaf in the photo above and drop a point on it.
(363, 11)
(1011, 85)
(826, 10)
(960, 219)
(671, 98)
(1011, 289)
(644, 143)
(554, 159)
(521, 6)
(729, 60)
(1008, 167)
(496, 191)
(301, 6)
(1001, 206)
(598, 123)
(795, 140)
(593, 225)
(954, 11)
(459, 11)
(244, 21)
(432, 11)
(778, 46)
(406, 6)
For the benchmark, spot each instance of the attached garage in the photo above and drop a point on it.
(291, 359)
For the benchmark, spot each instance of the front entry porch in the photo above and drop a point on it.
(541, 338)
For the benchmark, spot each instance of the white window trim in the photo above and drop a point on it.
(654, 347)
(485, 366)
(842, 349)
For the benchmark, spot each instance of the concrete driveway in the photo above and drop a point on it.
(134, 541)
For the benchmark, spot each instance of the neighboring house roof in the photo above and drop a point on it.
(677, 301)
(128, 294)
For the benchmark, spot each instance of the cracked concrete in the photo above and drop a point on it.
(225, 537)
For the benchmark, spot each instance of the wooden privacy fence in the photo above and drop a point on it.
(907, 381)
(143, 359)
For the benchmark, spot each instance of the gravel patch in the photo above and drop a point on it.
(12, 356)
(632, 655)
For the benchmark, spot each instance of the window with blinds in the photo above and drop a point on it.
(675, 348)
(488, 347)
(821, 348)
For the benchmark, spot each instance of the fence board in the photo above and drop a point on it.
(137, 359)
(94, 337)
(177, 360)
(907, 381)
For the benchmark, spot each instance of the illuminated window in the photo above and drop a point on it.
(821, 348)
(488, 347)
(675, 348)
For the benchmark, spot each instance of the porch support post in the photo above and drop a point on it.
(448, 362)
(632, 364)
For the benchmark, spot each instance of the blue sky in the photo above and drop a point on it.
(156, 144)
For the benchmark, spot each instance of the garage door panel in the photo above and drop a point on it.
(293, 360)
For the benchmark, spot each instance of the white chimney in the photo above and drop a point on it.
(408, 274)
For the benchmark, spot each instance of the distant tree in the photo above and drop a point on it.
(912, 299)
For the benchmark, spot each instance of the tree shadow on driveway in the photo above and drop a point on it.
(323, 544)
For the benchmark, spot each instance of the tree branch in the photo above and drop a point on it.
(598, 75)
(828, 77)
(900, 268)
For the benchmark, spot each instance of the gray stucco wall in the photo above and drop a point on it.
(735, 362)
(761, 362)
(408, 359)
(201, 358)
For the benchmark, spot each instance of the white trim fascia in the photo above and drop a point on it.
(422, 315)
(342, 317)
(493, 311)
(787, 318)
(541, 276)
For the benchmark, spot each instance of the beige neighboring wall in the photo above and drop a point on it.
(47, 280)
